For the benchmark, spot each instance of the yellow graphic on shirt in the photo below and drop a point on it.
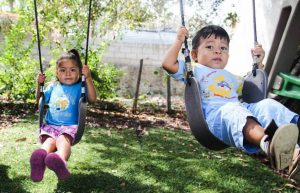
(240, 85)
(220, 87)
(61, 103)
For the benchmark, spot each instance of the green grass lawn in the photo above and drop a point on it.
(111, 160)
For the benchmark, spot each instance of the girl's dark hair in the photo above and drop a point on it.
(206, 32)
(71, 55)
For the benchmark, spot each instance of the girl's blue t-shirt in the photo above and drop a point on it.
(63, 103)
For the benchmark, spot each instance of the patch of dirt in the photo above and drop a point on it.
(12, 112)
(108, 114)
(124, 118)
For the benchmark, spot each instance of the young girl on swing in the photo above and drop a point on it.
(237, 124)
(58, 134)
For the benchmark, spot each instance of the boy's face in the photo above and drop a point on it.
(67, 72)
(212, 52)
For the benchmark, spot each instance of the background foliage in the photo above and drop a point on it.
(63, 26)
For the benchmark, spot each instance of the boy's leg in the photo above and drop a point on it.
(279, 148)
(253, 132)
(268, 109)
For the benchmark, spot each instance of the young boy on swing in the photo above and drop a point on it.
(58, 134)
(237, 124)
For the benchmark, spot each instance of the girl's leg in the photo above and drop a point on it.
(37, 159)
(63, 144)
(48, 144)
(57, 161)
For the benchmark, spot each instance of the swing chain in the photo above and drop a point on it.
(186, 51)
(255, 58)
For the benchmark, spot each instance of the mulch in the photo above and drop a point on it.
(104, 114)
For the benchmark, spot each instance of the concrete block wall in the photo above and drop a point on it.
(126, 55)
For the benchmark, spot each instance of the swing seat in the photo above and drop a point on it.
(41, 110)
(81, 119)
(254, 90)
(255, 87)
(82, 108)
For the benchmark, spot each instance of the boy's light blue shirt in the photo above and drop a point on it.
(63, 103)
(218, 86)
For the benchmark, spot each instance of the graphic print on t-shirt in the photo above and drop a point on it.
(220, 87)
(61, 103)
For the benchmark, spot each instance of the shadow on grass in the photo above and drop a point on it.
(8, 185)
(173, 162)
(112, 160)
(98, 182)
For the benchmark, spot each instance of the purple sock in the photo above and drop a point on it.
(54, 162)
(37, 165)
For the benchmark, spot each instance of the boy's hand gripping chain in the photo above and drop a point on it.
(185, 50)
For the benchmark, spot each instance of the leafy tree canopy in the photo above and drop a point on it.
(63, 25)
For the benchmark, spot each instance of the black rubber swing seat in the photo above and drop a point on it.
(82, 108)
(254, 90)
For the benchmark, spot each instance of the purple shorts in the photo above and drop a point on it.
(55, 131)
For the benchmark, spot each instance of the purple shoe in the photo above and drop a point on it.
(37, 165)
(58, 165)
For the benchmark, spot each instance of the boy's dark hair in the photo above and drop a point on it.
(207, 31)
(71, 55)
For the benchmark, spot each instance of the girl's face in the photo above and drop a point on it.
(67, 72)
(212, 52)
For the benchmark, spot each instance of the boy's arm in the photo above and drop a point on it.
(170, 63)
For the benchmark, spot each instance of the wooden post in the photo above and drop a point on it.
(137, 87)
(169, 108)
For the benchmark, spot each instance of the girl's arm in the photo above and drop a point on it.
(170, 63)
(91, 91)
